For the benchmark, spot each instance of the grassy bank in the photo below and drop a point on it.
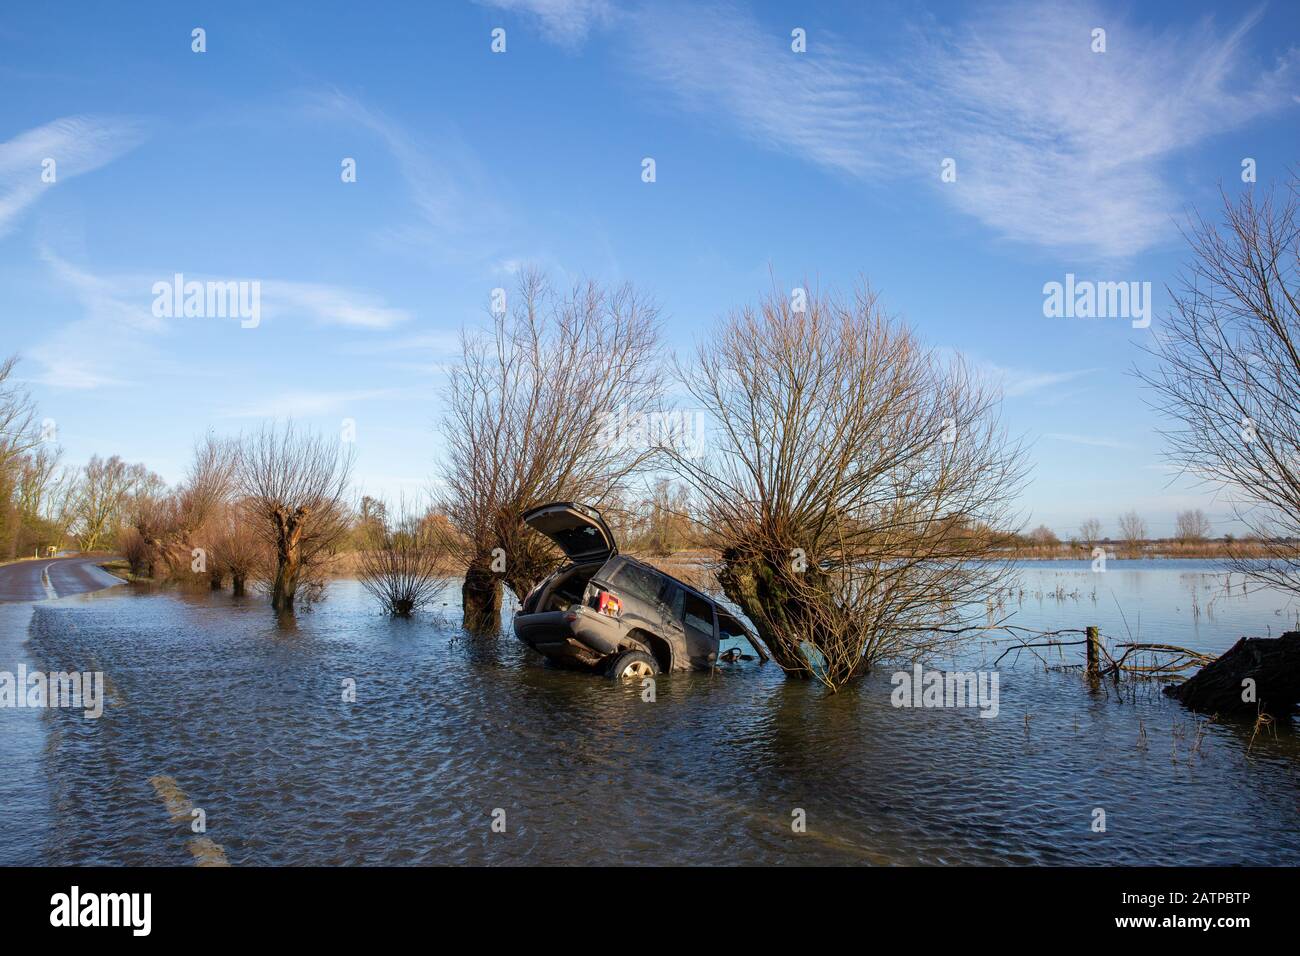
(1074, 551)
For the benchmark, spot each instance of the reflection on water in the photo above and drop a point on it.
(1191, 603)
(250, 722)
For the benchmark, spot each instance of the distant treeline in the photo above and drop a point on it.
(1192, 538)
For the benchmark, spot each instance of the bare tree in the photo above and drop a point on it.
(140, 555)
(168, 525)
(1228, 372)
(1044, 537)
(105, 487)
(18, 435)
(27, 484)
(148, 520)
(850, 483)
(18, 432)
(36, 479)
(207, 487)
(59, 508)
(668, 525)
(533, 416)
(1192, 526)
(1090, 532)
(295, 487)
(237, 552)
(176, 521)
(400, 562)
(370, 520)
(1132, 529)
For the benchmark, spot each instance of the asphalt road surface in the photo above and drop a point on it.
(46, 578)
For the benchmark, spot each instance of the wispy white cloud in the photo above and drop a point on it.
(563, 22)
(829, 107)
(118, 335)
(76, 144)
(1090, 440)
(1061, 146)
(110, 338)
(329, 305)
(1016, 382)
(117, 301)
(1054, 145)
(306, 403)
(457, 213)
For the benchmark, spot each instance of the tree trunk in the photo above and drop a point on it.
(286, 580)
(481, 598)
(801, 624)
(1220, 687)
(237, 585)
(754, 585)
(288, 563)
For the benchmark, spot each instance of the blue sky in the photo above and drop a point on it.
(821, 166)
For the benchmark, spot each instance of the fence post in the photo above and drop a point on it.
(1094, 652)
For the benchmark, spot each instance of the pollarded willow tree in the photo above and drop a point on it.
(294, 488)
(168, 525)
(533, 413)
(237, 551)
(1228, 372)
(851, 484)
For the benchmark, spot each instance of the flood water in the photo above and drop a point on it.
(246, 721)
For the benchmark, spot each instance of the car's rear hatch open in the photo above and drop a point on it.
(577, 530)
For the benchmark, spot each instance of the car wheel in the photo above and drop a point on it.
(632, 665)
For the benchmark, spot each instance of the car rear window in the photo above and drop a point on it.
(635, 581)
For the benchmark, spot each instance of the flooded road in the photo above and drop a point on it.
(254, 725)
(46, 578)
(24, 797)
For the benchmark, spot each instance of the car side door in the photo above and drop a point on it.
(670, 616)
(693, 624)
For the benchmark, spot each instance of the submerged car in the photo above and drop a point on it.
(610, 613)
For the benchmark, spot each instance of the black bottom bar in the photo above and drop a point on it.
(334, 905)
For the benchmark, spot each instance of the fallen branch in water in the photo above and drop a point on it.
(1182, 659)
(1025, 647)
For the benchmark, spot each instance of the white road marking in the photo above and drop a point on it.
(50, 593)
(181, 810)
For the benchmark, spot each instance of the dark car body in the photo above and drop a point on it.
(602, 605)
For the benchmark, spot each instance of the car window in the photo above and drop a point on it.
(671, 596)
(697, 615)
(729, 628)
(632, 580)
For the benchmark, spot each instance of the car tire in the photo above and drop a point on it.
(631, 665)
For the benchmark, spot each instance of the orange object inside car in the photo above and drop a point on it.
(607, 603)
